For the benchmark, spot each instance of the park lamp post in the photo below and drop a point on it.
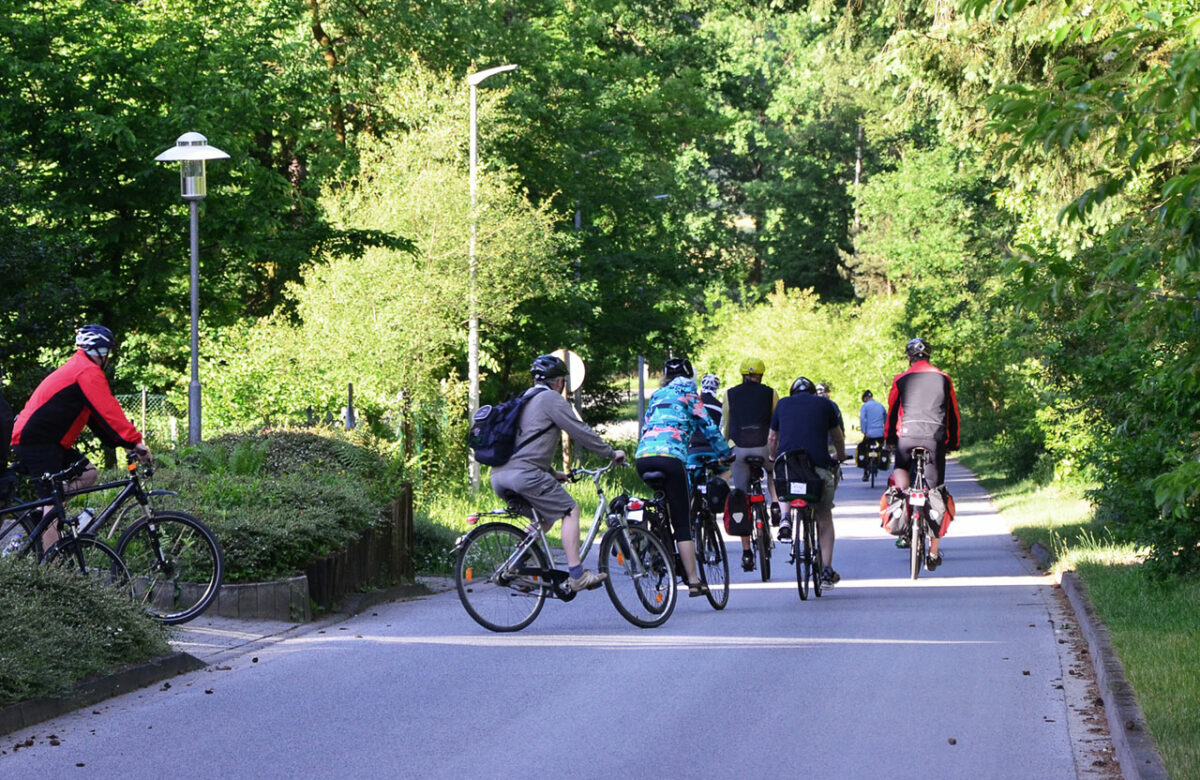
(474, 79)
(191, 150)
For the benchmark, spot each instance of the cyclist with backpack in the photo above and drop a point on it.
(806, 421)
(872, 417)
(673, 414)
(528, 471)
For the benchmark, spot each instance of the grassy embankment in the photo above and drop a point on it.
(1154, 626)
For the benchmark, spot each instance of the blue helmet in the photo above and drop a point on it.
(95, 340)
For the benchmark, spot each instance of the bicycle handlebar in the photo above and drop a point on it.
(575, 474)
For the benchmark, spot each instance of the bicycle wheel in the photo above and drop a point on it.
(499, 600)
(810, 522)
(763, 526)
(714, 563)
(641, 578)
(101, 563)
(175, 564)
(804, 554)
(874, 471)
(916, 547)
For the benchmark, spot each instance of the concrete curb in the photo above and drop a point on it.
(28, 713)
(1135, 750)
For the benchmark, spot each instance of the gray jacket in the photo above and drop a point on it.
(549, 413)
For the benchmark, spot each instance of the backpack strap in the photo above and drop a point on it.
(530, 393)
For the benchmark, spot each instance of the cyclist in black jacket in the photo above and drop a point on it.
(922, 412)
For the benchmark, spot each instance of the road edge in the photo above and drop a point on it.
(1135, 749)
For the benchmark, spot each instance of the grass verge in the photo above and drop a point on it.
(1154, 625)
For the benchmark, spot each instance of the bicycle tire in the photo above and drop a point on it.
(641, 577)
(764, 541)
(874, 471)
(175, 564)
(101, 563)
(498, 604)
(804, 555)
(817, 564)
(916, 547)
(714, 562)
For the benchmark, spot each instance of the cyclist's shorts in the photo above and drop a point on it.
(830, 478)
(539, 488)
(39, 459)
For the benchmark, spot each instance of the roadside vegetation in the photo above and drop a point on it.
(1152, 621)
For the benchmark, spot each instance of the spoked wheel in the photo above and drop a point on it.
(93, 559)
(175, 565)
(496, 599)
(916, 547)
(714, 563)
(803, 554)
(810, 528)
(641, 578)
(763, 526)
(874, 471)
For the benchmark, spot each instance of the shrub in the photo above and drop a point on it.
(59, 629)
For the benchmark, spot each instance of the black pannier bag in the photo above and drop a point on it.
(737, 513)
(796, 477)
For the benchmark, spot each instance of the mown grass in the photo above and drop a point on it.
(1154, 625)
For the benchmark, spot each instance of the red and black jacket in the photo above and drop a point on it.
(921, 405)
(75, 395)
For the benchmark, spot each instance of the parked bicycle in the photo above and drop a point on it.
(174, 561)
(504, 574)
(760, 524)
(80, 552)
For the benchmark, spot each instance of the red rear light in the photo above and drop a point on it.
(634, 504)
(472, 519)
(757, 498)
(799, 503)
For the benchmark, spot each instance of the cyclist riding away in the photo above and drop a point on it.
(673, 414)
(823, 392)
(922, 412)
(748, 409)
(806, 421)
(872, 416)
(75, 395)
(700, 445)
(529, 472)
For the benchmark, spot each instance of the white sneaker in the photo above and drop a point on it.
(589, 580)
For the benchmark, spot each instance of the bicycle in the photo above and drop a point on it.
(874, 454)
(174, 561)
(504, 574)
(85, 554)
(916, 501)
(760, 526)
(806, 546)
(712, 560)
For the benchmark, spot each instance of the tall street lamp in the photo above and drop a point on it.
(474, 79)
(191, 150)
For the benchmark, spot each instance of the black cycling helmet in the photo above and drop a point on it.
(867, 394)
(917, 349)
(803, 385)
(677, 367)
(95, 340)
(547, 367)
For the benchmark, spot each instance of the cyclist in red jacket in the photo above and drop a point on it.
(922, 412)
(75, 395)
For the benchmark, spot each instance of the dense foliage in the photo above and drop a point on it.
(1014, 180)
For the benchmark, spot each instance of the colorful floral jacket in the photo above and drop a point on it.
(673, 413)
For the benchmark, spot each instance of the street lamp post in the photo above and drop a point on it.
(474, 79)
(191, 150)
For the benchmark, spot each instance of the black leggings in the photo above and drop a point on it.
(676, 489)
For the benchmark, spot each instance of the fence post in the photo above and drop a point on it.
(641, 405)
(349, 413)
(143, 411)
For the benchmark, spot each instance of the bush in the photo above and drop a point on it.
(59, 629)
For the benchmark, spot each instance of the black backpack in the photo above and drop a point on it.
(796, 477)
(493, 436)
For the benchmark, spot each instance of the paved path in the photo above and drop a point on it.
(959, 674)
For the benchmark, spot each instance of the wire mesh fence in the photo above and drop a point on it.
(155, 416)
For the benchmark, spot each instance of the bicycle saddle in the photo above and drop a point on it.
(755, 461)
(516, 504)
(655, 479)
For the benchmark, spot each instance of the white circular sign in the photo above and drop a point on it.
(575, 369)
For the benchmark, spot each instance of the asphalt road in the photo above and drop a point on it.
(966, 672)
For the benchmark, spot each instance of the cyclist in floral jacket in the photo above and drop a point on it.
(673, 414)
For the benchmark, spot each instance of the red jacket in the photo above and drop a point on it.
(921, 405)
(75, 395)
